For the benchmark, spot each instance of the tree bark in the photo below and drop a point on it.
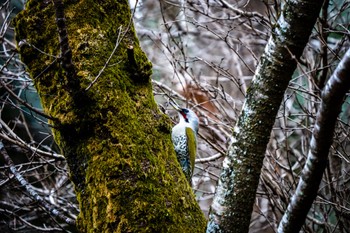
(105, 120)
(233, 202)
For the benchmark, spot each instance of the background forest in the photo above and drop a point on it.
(204, 56)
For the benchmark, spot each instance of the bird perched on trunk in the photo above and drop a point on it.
(184, 137)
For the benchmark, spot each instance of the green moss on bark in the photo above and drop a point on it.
(116, 141)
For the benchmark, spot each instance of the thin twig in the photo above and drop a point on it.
(15, 139)
(108, 60)
(2, 82)
(30, 190)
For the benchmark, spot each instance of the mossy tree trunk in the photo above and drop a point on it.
(116, 142)
(233, 202)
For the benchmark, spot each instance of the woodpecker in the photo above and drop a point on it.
(184, 137)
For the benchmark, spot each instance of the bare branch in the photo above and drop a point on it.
(30, 190)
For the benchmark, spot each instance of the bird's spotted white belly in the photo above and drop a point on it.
(181, 149)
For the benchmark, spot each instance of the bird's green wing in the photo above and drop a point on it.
(192, 146)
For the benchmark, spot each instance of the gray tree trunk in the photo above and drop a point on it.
(233, 203)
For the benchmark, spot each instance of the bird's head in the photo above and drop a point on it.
(188, 116)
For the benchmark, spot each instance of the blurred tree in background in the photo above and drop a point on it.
(204, 55)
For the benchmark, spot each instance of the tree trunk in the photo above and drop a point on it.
(322, 137)
(105, 120)
(233, 203)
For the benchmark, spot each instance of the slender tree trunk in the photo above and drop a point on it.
(321, 141)
(94, 81)
(233, 203)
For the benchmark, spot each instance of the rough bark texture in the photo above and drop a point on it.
(321, 141)
(233, 203)
(116, 142)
